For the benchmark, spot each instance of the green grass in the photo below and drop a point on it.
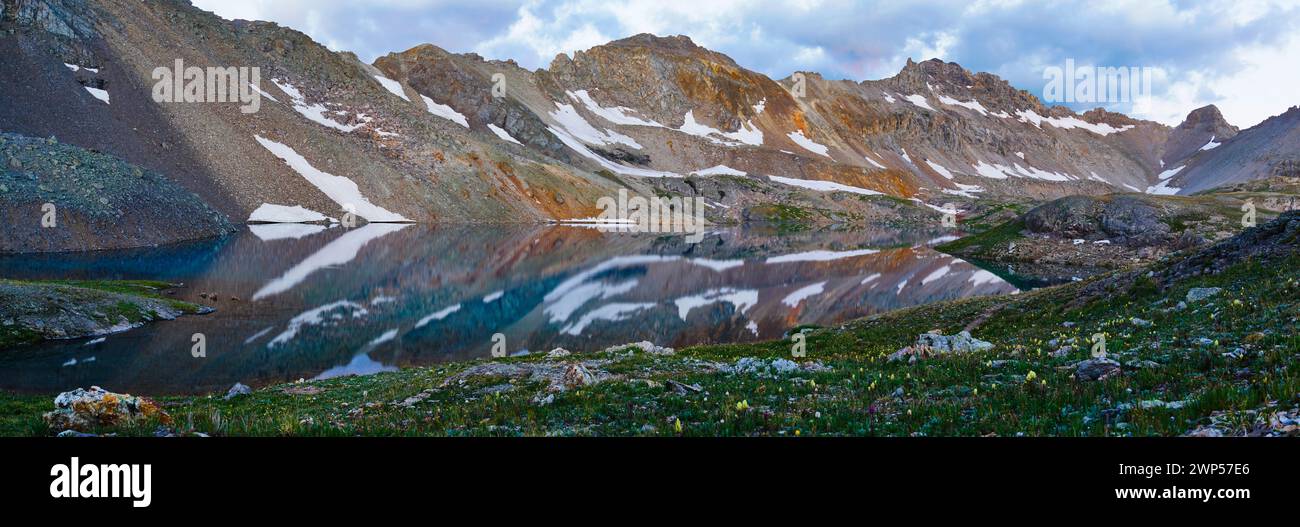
(997, 236)
(964, 395)
(71, 292)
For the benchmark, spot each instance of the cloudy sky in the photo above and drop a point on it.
(1243, 55)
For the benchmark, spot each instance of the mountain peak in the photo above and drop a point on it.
(1208, 116)
(1203, 127)
(656, 41)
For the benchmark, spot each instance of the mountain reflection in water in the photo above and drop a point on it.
(304, 301)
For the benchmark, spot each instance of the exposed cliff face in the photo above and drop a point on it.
(1204, 128)
(663, 106)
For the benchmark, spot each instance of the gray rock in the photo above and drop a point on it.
(644, 346)
(558, 353)
(1095, 369)
(931, 344)
(774, 367)
(1139, 322)
(1198, 294)
(577, 376)
(237, 390)
(1143, 365)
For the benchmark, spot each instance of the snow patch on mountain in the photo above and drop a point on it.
(272, 213)
(919, 101)
(743, 300)
(748, 134)
(338, 188)
(940, 169)
(1066, 123)
(965, 191)
(720, 170)
(314, 112)
(445, 112)
(502, 134)
(996, 171)
(576, 127)
(98, 94)
(798, 296)
(824, 186)
(971, 104)
(615, 115)
(1163, 188)
(392, 86)
(808, 144)
(581, 148)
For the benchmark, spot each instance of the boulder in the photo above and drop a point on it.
(237, 390)
(81, 410)
(1095, 369)
(577, 376)
(1197, 294)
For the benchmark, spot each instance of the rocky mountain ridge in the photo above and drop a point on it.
(431, 136)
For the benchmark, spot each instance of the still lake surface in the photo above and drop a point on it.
(304, 301)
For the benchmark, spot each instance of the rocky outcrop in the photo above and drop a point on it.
(32, 311)
(1131, 220)
(1202, 128)
(56, 197)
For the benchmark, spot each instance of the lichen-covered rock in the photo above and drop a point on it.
(577, 376)
(82, 410)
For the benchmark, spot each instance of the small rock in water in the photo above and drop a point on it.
(237, 390)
